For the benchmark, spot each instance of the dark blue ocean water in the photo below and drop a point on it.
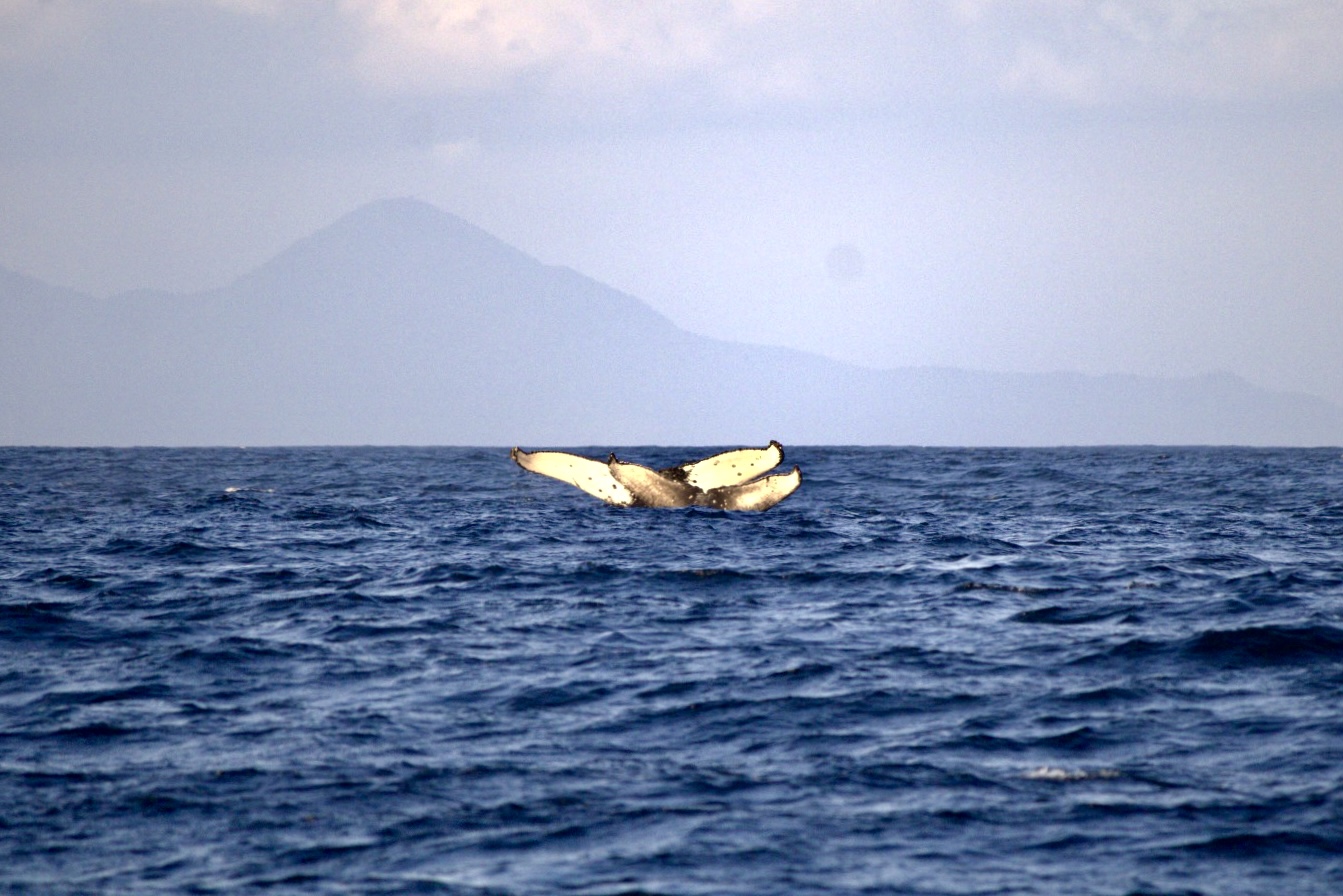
(929, 671)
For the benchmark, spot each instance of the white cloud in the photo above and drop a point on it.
(456, 152)
(746, 53)
(485, 44)
(1118, 50)
(1037, 69)
(766, 50)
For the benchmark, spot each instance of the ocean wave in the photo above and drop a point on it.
(400, 670)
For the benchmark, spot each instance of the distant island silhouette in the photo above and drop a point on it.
(403, 324)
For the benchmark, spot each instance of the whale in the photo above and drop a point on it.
(730, 480)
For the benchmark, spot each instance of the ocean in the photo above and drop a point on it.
(424, 670)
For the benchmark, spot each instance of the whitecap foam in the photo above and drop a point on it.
(1054, 773)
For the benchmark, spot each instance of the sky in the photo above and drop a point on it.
(1105, 186)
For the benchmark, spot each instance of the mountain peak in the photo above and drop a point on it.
(402, 213)
(389, 237)
(406, 221)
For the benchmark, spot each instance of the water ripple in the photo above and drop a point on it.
(422, 670)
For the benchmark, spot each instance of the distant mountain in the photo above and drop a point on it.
(402, 324)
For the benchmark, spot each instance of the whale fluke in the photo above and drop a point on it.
(592, 476)
(731, 480)
(652, 488)
(759, 494)
(728, 468)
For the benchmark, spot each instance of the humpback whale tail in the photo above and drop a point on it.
(731, 480)
(592, 476)
(758, 494)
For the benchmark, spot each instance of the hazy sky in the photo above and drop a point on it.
(1128, 186)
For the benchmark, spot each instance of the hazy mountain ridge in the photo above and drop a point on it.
(403, 324)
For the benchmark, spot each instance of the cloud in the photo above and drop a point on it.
(520, 65)
(1037, 69)
(595, 45)
(1218, 51)
(843, 52)
(162, 78)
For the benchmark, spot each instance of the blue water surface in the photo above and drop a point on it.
(929, 671)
